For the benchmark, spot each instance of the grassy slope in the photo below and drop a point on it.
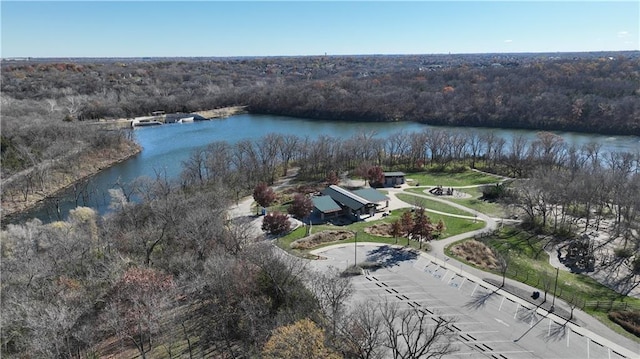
(529, 263)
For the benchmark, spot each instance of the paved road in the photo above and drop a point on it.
(491, 323)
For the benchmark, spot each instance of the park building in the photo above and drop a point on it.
(337, 202)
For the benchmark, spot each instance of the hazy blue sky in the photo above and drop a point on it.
(265, 28)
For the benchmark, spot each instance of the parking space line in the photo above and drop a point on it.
(461, 283)
(499, 308)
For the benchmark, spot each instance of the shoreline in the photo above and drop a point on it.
(215, 114)
(62, 181)
(89, 166)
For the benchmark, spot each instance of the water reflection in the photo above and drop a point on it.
(165, 147)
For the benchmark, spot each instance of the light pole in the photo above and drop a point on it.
(355, 251)
(554, 291)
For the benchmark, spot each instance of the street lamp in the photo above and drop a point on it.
(554, 291)
(355, 251)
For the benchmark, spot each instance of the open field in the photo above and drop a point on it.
(449, 179)
(427, 204)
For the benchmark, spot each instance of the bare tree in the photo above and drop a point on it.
(288, 146)
(412, 334)
(332, 291)
(362, 332)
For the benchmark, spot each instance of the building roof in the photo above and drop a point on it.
(175, 117)
(394, 174)
(371, 195)
(325, 204)
(345, 197)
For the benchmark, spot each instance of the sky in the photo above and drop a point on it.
(292, 28)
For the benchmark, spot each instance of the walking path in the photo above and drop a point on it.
(518, 288)
(581, 321)
(523, 291)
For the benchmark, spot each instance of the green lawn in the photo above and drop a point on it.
(453, 225)
(451, 179)
(473, 202)
(529, 263)
(428, 204)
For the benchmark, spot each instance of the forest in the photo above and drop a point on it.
(45, 100)
(171, 275)
(146, 279)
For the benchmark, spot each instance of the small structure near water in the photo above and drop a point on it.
(394, 179)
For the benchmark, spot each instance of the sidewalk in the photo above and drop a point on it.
(581, 323)
(562, 310)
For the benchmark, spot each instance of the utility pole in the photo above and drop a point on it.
(554, 291)
(355, 251)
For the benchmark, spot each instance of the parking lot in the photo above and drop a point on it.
(489, 322)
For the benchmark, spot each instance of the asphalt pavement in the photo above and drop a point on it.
(490, 322)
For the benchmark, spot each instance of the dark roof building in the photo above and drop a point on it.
(371, 195)
(325, 204)
(339, 201)
(346, 198)
(392, 179)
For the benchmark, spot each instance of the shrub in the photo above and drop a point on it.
(623, 252)
(351, 271)
(629, 320)
(276, 223)
(321, 237)
(493, 193)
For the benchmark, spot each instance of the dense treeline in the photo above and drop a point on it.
(165, 272)
(561, 190)
(581, 92)
(173, 275)
(592, 92)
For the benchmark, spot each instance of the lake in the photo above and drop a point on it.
(166, 146)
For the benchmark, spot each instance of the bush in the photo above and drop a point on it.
(276, 223)
(623, 252)
(493, 193)
(319, 238)
(629, 320)
(351, 271)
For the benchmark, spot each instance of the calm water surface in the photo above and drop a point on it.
(165, 147)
